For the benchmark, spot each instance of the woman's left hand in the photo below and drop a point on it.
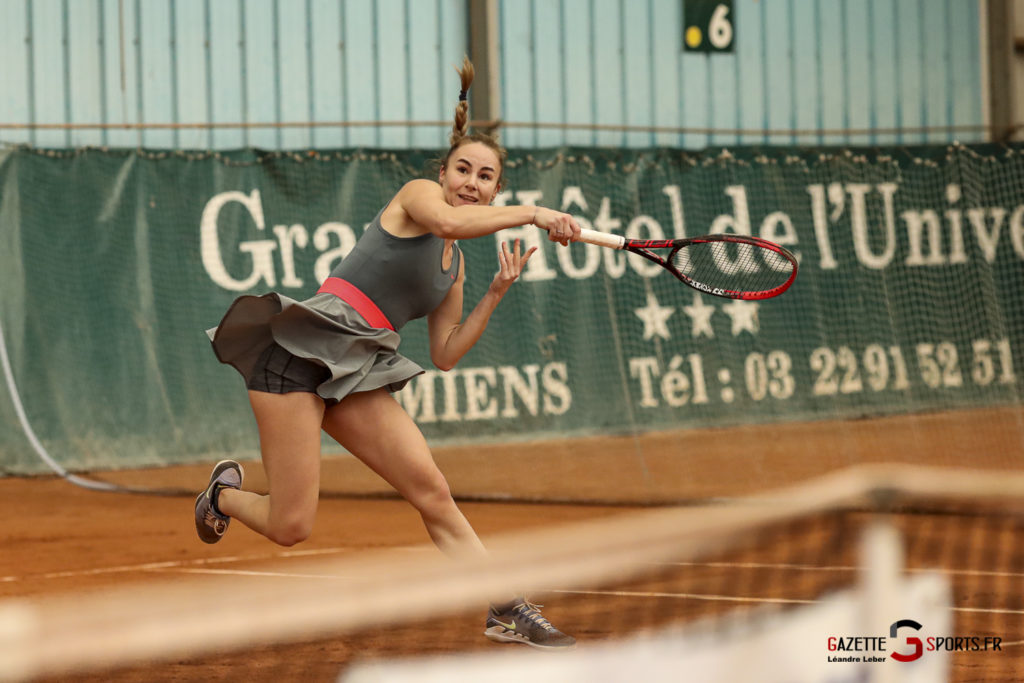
(511, 264)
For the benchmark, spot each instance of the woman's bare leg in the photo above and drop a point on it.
(289, 431)
(376, 429)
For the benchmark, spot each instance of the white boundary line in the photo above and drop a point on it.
(203, 566)
(760, 601)
(689, 596)
(178, 565)
(251, 572)
(842, 568)
(191, 566)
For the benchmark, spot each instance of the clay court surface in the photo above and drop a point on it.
(61, 539)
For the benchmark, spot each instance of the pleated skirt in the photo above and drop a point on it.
(323, 344)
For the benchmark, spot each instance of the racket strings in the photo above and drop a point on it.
(736, 267)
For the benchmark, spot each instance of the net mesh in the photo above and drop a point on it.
(907, 311)
(680, 582)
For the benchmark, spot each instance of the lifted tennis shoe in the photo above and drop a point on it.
(210, 523)
(521, 622)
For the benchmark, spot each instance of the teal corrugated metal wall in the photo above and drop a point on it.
(229, 61)
(797, 64)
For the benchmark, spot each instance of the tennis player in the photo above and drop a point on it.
(331, 362)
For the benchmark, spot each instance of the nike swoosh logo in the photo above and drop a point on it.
(510, 627)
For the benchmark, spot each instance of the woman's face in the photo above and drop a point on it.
(471, 175)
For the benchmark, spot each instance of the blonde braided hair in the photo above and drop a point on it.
(461, 126)
(460, 134)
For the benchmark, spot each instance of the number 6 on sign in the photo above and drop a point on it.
(729, 266)
(708, 26)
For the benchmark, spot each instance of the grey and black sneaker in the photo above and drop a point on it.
(210, 523)
(520, 621)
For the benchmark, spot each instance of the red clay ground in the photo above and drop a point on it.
(61, 539)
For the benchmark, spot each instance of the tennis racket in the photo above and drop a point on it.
(729, 266)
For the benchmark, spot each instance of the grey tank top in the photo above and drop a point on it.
(402, 275)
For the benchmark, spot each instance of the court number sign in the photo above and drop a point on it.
(708, 26)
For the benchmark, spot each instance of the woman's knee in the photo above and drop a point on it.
(290, 529)
(432, 497)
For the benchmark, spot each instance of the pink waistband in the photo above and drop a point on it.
(351, 295)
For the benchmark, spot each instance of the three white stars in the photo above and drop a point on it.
(743, 315)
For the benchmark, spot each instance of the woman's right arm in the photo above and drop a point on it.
(422, 201)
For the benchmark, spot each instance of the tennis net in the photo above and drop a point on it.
(850, 570)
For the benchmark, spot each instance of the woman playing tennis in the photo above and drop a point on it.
(331, 362)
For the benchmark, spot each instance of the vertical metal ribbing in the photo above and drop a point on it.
(139, 103)
(709, 102)
(208, 73)
(102, 40)
(593, 72)
(175, 113)
(564, 59)
(819, 110)
(311, 82)
(794, 104)
(651, 75)
(765, 97)
(31, 64)
(439, 41)
(844, 57)
(872, 67)
(278, 136)
(66, 59)
(624, 114)
(407, 49)
(922, 64)
(534, 106)
(948, 55)
(739, 83)
(121, 60)
(898, 85)
(243, 79)
(976, 22)
(376, 73)
(342, 47)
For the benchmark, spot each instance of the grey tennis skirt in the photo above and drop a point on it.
(320, 345)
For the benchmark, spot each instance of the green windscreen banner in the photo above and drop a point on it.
(113, 263)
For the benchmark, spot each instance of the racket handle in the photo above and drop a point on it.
(602, 239)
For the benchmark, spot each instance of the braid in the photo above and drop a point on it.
(461, 126)
(460, 129)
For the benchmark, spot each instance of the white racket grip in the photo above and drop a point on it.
(602, 239)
